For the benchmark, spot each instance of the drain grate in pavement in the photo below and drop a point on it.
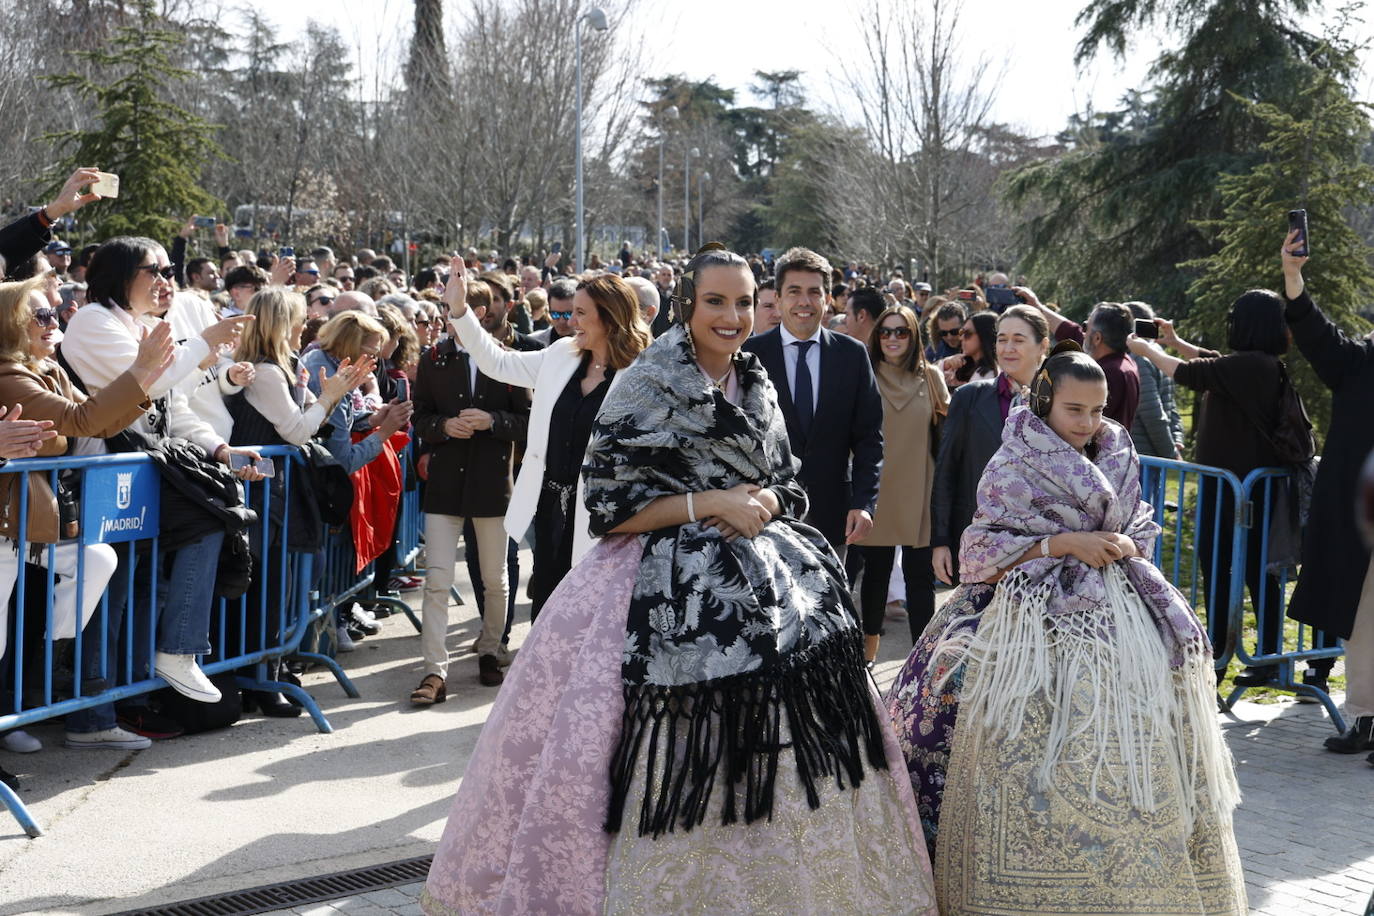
(294, 893)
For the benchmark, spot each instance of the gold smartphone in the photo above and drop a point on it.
(106, 184)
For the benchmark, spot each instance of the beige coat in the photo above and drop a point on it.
(913, 404)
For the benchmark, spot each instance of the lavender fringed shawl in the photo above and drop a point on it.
(1038, 485)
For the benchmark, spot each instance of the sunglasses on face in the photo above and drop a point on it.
(313, 273)
(899, 333)
(952, 332)
(45, 316)
(153, 270)
(322, 300)
(422, 321)
(560, 316)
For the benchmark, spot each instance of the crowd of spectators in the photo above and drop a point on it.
(894, 396)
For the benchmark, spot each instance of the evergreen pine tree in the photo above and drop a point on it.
(157, 149)
(1314, 160)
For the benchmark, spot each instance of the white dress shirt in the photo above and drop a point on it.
(813, 362)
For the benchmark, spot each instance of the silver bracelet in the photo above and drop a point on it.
(691, 510)
(1045, 547)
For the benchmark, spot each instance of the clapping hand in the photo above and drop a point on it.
(22, 438)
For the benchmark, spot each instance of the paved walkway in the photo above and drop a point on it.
(273, 800)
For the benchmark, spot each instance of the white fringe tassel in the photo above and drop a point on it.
(1136, 701)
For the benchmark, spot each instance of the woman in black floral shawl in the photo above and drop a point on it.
(690, 726)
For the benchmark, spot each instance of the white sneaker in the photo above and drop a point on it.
(114, 738)
(21, 742)
(364, 616)
(184, 676)
(345, 642)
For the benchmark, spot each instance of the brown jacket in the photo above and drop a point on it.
(46, 393)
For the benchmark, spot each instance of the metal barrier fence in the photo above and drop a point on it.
(93, 652)
(1272, 564)
(1214, 546)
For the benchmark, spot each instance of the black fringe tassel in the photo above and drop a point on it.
(737, 722)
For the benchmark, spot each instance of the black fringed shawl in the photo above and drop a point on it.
(734, 652)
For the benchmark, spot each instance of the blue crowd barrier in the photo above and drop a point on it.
(1265, 495)
(1192, 503)
(109, 658)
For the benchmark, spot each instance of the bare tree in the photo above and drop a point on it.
(912, 187)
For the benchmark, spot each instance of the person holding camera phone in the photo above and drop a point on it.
(1241, 391)
(1335, 591)
(1105, 339)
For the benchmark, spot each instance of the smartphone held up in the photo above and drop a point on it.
(106, 184)
(1297, 221)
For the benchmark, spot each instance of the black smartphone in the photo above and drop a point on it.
(1146, 328)
(1297, 219)
(1001, 297)
(556, 248)
(286, 251)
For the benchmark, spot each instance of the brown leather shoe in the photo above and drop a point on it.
(489, 671)
(430, 691)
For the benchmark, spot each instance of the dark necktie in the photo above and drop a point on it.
(802, 396)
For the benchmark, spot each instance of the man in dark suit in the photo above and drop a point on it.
(829, 399)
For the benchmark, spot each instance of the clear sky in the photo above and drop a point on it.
(1030, 41)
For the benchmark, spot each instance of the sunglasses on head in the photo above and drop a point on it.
(899, 333)
(45, 316)
(153, 270)
(560, 316)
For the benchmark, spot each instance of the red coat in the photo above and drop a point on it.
(376, 500)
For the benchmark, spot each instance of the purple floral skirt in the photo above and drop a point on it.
(924, 717)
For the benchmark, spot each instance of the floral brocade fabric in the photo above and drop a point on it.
(924, 705)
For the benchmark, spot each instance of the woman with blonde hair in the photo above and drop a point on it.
(352, 336)
(280, 393)
(570, 379)
(915, 400)
(32, 381)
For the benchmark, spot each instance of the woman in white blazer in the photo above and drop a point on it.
(570, 379)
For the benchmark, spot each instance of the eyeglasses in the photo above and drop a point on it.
(45, 316)
(899, 333)
(560, 316)
(153, 270)
(322, 300)
(952, 332)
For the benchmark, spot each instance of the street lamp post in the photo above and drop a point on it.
(687, 199)
(701, 220)
(597, 17)
(669, 114)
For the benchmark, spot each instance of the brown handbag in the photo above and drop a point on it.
(43, 516)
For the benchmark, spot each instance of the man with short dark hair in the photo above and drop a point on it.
(344, 276)
(307, 274)
(497, 320)
(829, 399)
(241, 283)
(946, 330)
(1109, 328)
(324, 259)
(767, 316)
(861, 312)
(202, 277)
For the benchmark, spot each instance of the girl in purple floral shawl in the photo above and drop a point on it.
(1058, 716)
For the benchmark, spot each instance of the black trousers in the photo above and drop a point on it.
(877, 571)
(1217, 520)
(553, 548)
